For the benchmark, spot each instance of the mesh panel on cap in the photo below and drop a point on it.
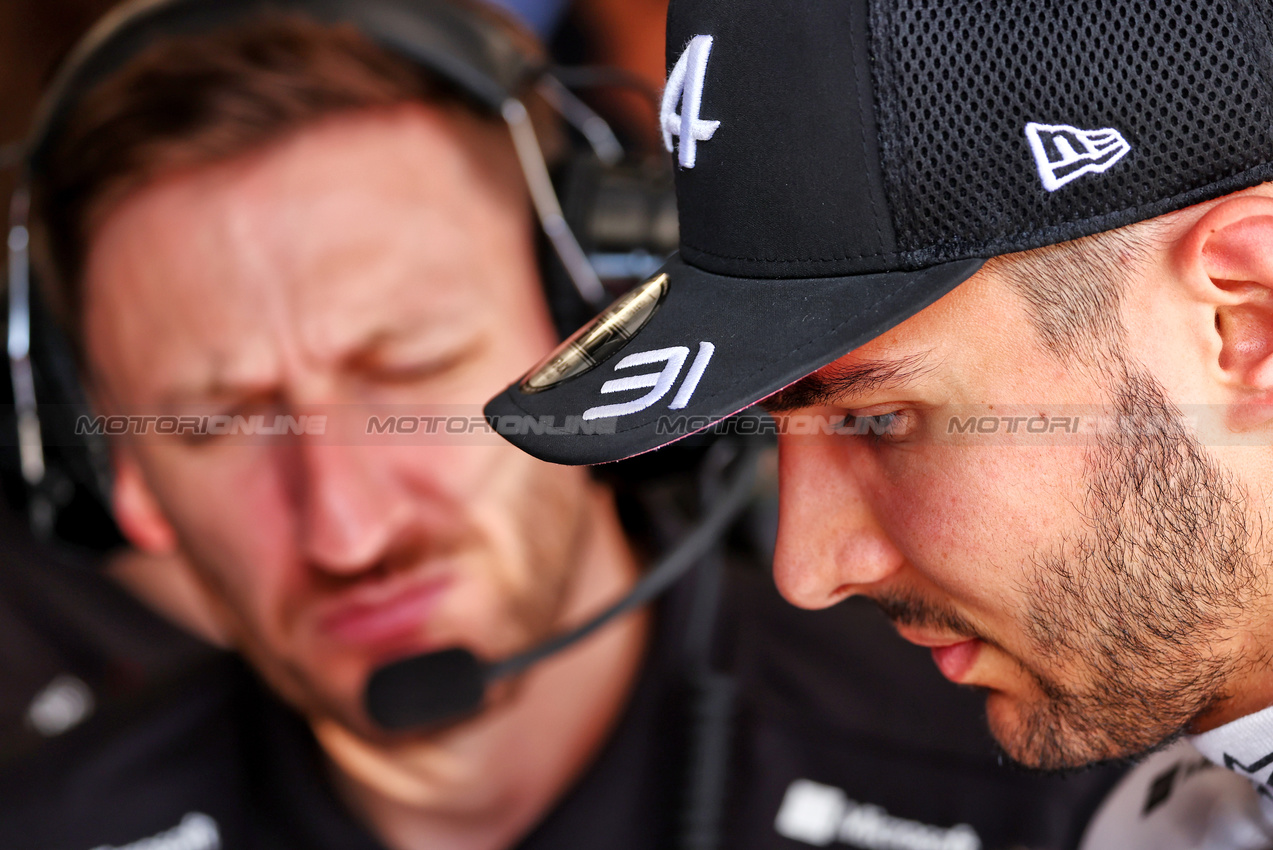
(1186, 83)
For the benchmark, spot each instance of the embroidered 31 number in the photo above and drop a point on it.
(659, 383)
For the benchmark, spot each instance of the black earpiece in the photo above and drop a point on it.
(605, 219)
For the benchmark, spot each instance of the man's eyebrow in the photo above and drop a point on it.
(832, 383)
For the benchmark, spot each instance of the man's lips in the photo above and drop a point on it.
(956, 660)
(378, 615)
(954, 656)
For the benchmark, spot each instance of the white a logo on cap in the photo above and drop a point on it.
(1064, 153)
(685, 86)
(659, 383)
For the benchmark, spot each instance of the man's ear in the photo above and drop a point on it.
(159, 575)
(1228, 257)
(136, 509)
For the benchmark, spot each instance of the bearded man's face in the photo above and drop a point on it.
(1050, 527)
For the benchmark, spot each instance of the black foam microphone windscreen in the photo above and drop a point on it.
(426, 690)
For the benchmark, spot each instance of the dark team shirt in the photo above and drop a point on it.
(849, 736)
(842, 735)
(71, 640)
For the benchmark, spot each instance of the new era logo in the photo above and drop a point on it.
(1064, 153)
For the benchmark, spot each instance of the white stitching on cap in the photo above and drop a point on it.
(1058, 148)
(661, 381)
(685, 84)
(697, 368)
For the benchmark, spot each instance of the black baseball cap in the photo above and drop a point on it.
(842, 164)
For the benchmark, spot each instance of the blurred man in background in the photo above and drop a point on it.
(280, 218)
(71, 641)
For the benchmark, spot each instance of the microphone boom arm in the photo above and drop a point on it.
(683, 556)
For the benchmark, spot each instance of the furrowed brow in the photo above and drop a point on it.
(832, 384)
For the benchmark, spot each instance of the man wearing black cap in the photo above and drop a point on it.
(268, 217)
(1003, 276)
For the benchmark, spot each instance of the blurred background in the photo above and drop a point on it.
(70, 638)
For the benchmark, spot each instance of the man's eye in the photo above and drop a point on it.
(249, 419)
(879, 426)
(416, 372)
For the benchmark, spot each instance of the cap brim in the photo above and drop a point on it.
(763, 335)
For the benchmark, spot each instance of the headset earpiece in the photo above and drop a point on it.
(614, 212)
(624, 215)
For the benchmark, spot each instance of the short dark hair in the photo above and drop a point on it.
(197, 100)
(1074, 290)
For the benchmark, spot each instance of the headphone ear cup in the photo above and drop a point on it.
(77, 482)
(624, 217)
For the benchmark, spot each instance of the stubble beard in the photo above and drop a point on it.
(1138, 606)
(552, 526)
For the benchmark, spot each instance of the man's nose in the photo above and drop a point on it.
(830, 544)
(353, 512)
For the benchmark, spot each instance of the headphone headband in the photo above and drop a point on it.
(474, 47)
(486, 55)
